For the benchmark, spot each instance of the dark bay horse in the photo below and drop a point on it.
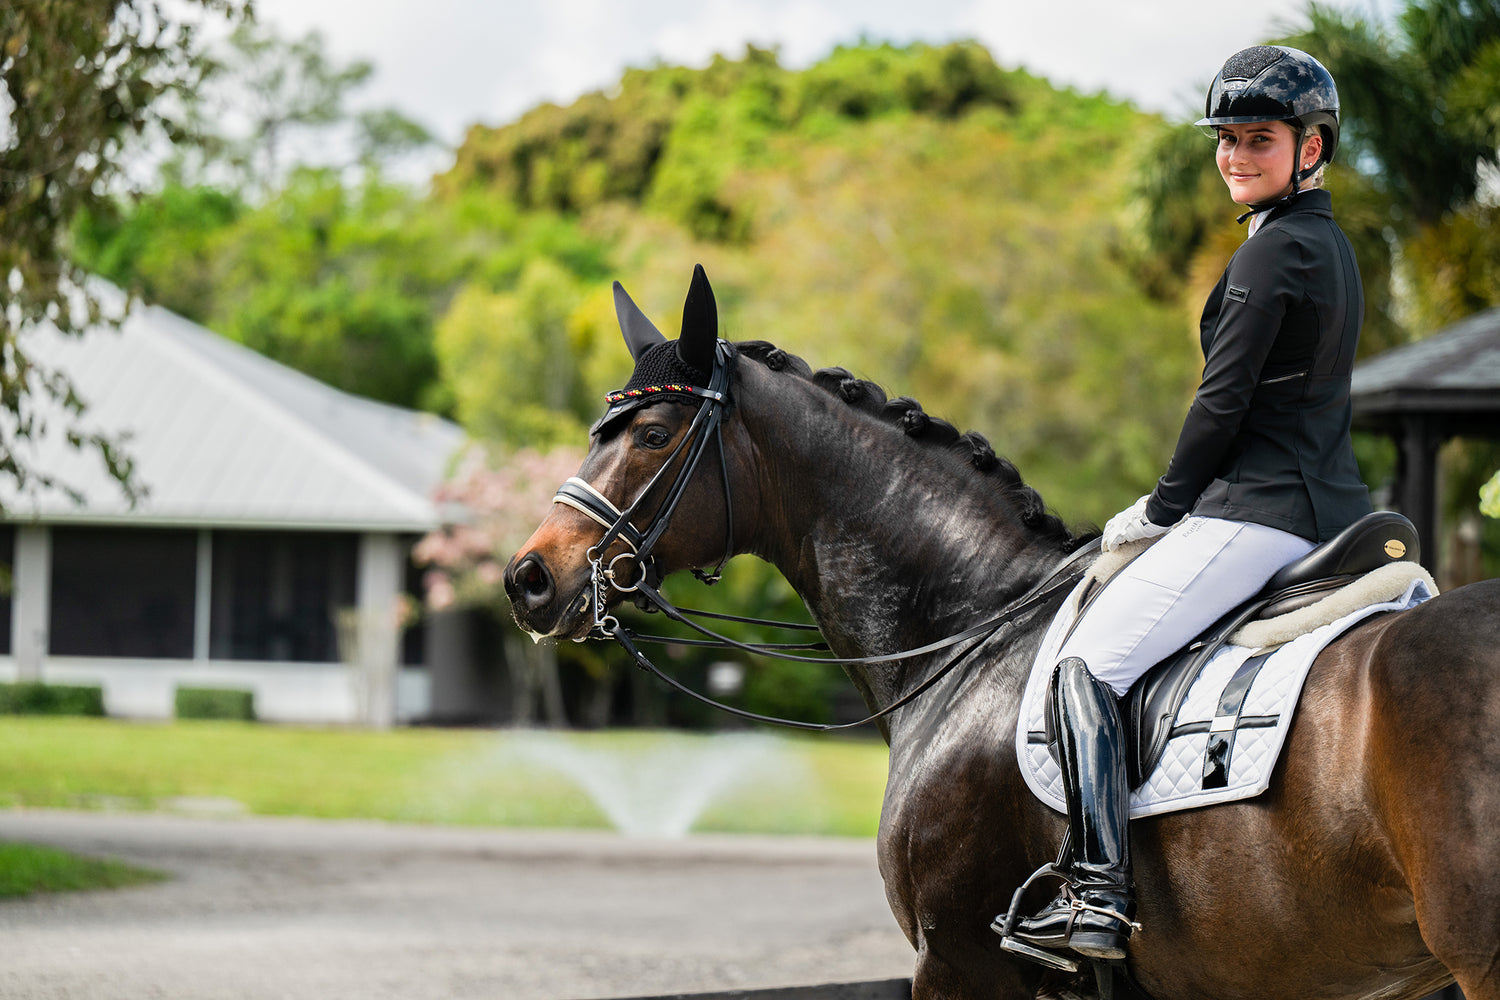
(1371, 867)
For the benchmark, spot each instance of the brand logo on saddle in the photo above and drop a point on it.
(1395, 548)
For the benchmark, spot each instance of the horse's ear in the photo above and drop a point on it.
(700, 324)
(640, 333)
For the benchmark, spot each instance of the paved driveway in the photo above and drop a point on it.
(293, 909)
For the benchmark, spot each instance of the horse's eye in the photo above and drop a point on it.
(652, 437)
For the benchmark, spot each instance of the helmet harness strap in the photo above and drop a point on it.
(1296, 187)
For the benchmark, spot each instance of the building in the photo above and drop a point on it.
(1421, 395)
(270, 552)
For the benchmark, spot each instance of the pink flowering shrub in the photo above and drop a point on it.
(490, 507)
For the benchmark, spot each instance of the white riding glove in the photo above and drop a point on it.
(1131, 525)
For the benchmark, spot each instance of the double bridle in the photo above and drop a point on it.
(707, 425)
(644, 577)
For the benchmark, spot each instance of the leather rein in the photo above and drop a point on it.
(644, 581)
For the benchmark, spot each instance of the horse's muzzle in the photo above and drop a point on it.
(535, 601)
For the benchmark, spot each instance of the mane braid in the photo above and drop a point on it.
(907, 414)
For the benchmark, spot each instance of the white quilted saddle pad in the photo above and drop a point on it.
(1177, 782)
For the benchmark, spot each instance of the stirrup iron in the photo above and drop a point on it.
(1041, 956)
(1005, 924)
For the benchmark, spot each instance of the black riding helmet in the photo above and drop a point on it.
(1273, 83)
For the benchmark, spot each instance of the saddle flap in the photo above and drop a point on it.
(1152, 703)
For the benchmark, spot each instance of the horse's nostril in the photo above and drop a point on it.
(531, 582)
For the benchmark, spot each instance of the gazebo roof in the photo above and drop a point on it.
(1453, 375)
(224, 437)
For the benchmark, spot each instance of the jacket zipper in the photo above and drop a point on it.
(1283, 378)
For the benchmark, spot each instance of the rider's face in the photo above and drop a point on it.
(1255, 159)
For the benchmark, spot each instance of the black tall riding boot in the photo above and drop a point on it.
(1094, 916)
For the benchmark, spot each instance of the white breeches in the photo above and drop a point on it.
(1182, 584)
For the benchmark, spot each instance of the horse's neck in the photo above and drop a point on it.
(890, 542)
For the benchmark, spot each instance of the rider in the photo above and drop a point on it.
(1263, 467)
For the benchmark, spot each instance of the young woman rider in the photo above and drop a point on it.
(1263, 467)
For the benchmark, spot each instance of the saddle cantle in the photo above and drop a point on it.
(1149, 708)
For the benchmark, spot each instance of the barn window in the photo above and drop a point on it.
(276, 595)
(118, 592)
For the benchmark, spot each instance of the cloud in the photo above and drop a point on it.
(1160, 53)
(802, 31)
(451, 63)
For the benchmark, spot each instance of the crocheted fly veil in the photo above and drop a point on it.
(682, 367)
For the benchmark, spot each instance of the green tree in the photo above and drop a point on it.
(261, 95)
(386, 134)
(1421, 97)
(81, 82)
(867, 81)
(161, 247)
(1419, 94)
(674, 138)
(341, 283)
(278, 87)
(529, 366)
(336, 277)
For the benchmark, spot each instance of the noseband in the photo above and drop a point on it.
(646, 576)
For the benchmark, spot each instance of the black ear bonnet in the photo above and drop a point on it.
(660, 368)
(660, 372)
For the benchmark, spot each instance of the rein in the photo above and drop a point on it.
(618, 524)
(1059, 580)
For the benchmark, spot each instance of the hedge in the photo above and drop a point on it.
(215, 703)
(36, 698)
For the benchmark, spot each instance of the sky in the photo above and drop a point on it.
(453, 63)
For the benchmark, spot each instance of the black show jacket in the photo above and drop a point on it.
(1266, 439)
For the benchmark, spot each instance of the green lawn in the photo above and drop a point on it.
(27, 869)
(653, 782)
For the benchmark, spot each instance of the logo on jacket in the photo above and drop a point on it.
(1237, 293)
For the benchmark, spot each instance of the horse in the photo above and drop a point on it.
(1369, 868)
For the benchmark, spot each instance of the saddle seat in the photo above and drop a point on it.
(1149, 708)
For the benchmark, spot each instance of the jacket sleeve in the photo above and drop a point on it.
(1260, 285)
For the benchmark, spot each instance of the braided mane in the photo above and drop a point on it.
(907, 414)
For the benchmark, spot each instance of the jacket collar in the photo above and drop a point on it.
(1316, 201)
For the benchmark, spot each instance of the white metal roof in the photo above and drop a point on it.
(223, 437)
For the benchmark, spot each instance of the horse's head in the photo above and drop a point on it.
(655, 455)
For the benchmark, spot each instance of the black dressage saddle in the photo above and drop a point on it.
(1151, 706)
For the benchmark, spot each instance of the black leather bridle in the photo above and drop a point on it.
(707, 426)
(645, 576)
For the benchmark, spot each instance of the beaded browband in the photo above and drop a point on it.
(621, 395)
